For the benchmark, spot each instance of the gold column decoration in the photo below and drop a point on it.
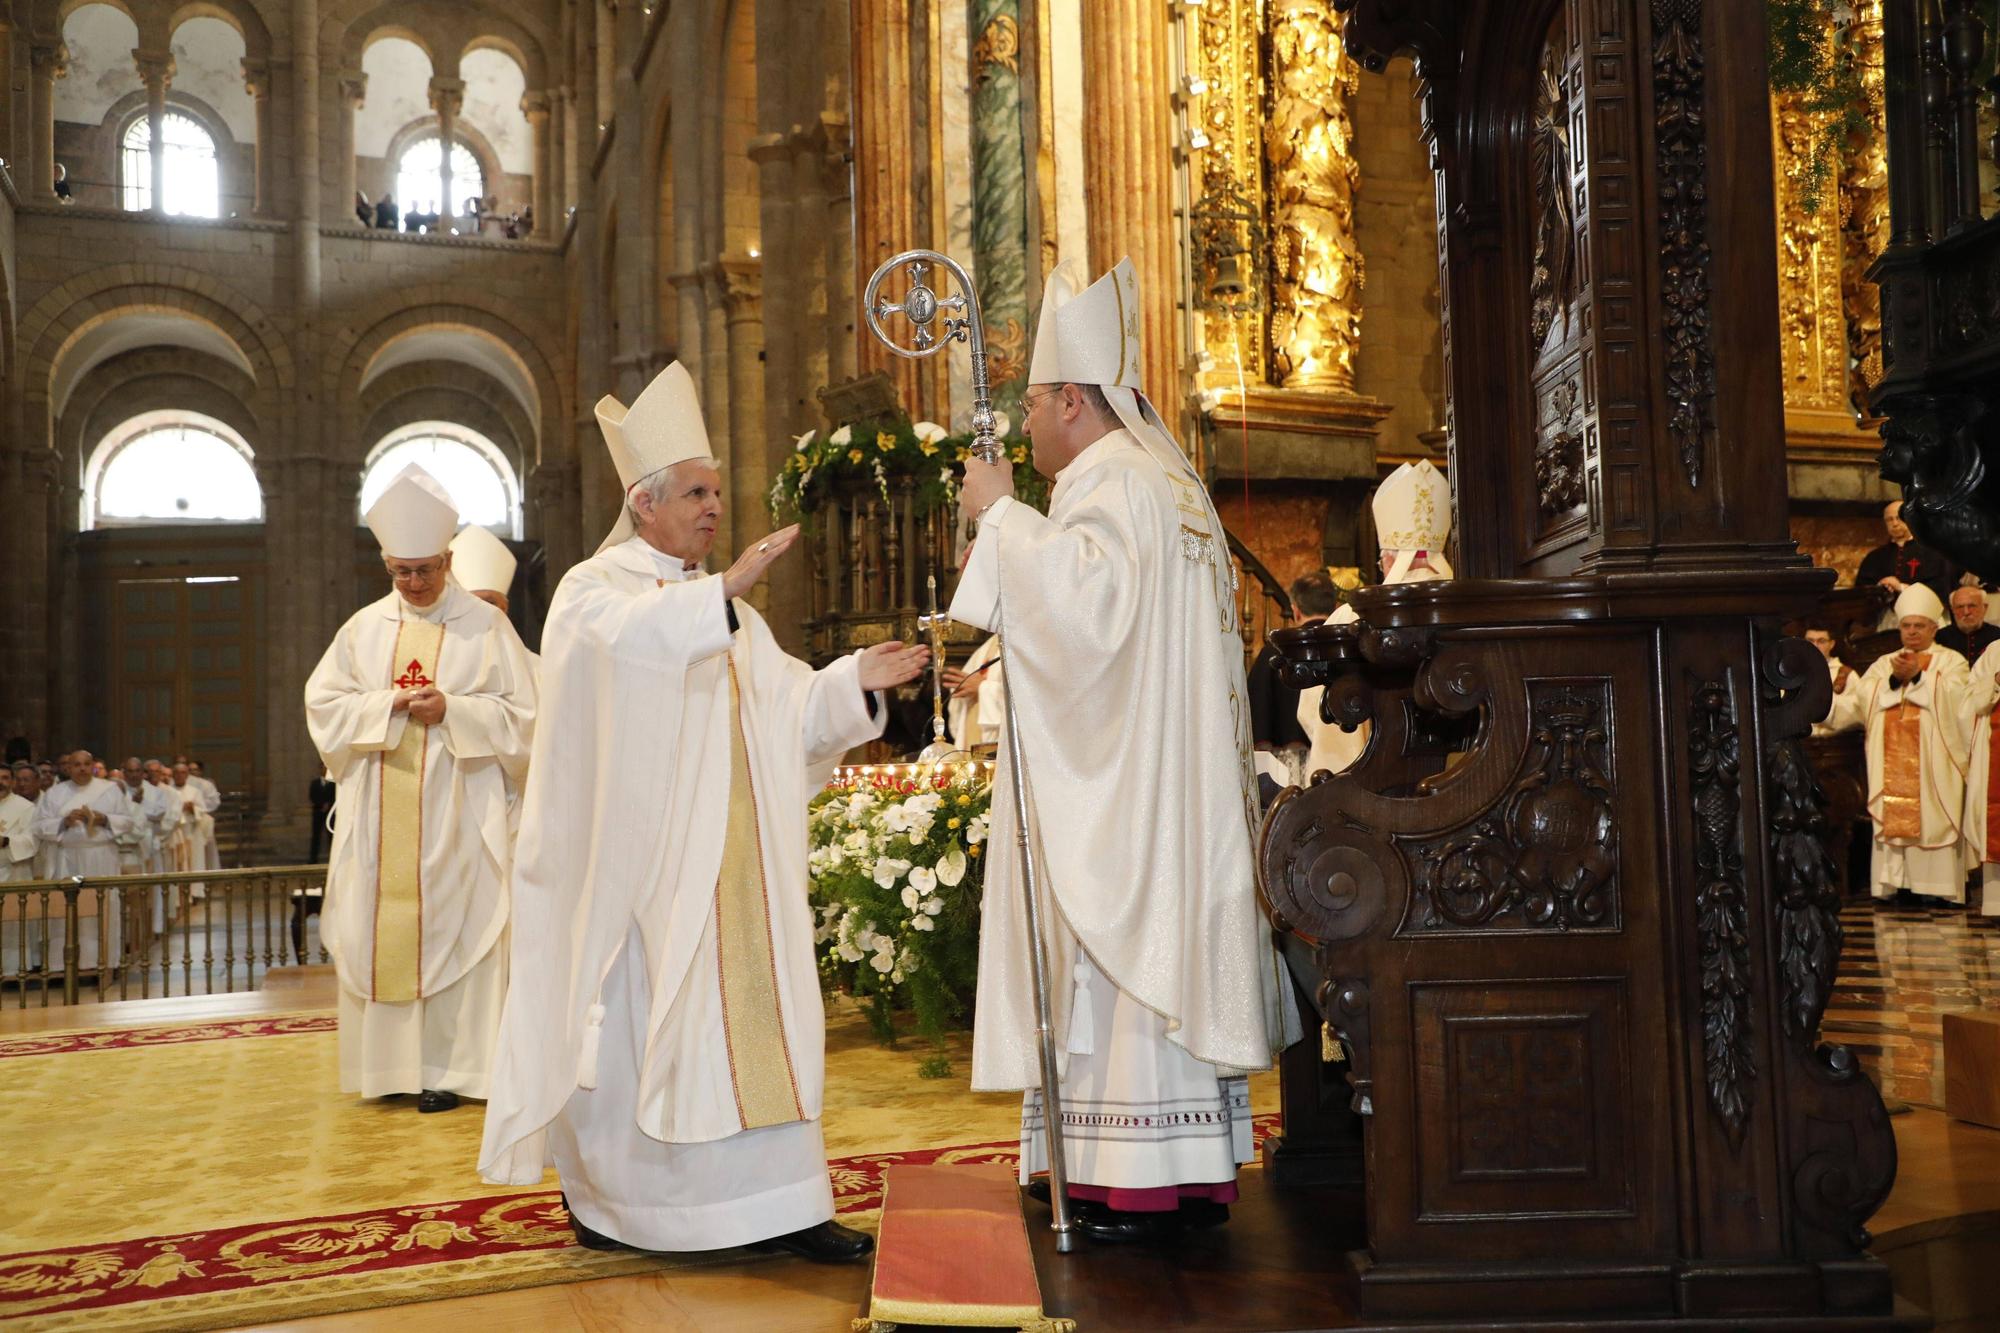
(1227, 66)
(885, 221)
(1864, 208)
(1315, 329)
(1129, 174)
(1812, 306)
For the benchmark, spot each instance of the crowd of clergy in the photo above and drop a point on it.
(78, 816)
(575, 886)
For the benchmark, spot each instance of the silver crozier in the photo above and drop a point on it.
(923, 307)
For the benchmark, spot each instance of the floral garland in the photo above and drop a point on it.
(924, 451)
(896, 871)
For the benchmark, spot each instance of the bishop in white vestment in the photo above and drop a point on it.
(1913, 703)
(664, 1043)
(1117, 620)
(1982, 790)
(423, 709)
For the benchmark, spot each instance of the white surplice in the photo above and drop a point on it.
(977, 718)
(1839, 719)
(17, 826)
(207, 855)
(614, 1060)
(443, 1039)
(1127, 675)
(1934, 863)
(1981, 694)
(80, 850)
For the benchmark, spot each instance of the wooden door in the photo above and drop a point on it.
(184, 677)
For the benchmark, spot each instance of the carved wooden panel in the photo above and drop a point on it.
(1544, 857)
(1559, 301)
(1523, 1106)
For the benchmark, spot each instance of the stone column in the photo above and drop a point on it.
(841, 293)
(50, 63)
(353, 92)
(535, 106)
(156, 71)
(257, 82)
(447, 99)
(1129, 173)
(713, 375)
(605, 66)
(749, 452)
(885, 213)
(569, 140)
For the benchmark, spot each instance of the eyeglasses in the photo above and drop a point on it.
(415, 574)
(1031, 401)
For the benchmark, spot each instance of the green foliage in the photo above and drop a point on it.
(896, 869)
(1816, 60)
(822, 466)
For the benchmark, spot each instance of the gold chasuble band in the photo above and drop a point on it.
(1902, 774)
(760, 1063)
(399, 882)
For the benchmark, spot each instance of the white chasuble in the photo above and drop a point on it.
(1917, 746)
(664, 1040)
(17, 826)
(1982, 793)
(416, 894)
(1127, 674)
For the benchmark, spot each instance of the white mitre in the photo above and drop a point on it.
(414, 518)
(481, 562)
(661, 428)
(1919, 600)
(1090, 335)
(1413, 517)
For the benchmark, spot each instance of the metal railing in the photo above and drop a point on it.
(136, 937)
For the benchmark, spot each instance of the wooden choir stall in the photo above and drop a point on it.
(1570, 917)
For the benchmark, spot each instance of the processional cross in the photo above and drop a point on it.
(921, 306)
(932, 625)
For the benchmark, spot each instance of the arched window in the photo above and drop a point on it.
(193, 185)
(171, 467)
(470, 467)
(417, 177)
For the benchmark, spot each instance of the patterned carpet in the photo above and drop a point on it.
(1901, 970)
(209, 1175)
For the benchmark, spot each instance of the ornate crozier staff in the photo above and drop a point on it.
(922, 306)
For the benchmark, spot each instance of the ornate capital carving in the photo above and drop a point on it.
(353, 87)
(50, 62)
(156, 69)
(257, 78)
(535, 106)
(447, 96)
(742, 280)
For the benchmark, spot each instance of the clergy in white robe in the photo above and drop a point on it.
(423, 710)
(1124, 659)
(208, 855)
(1913, 703)
(1845, 680)
(664, 1042)
(146, 806)
(1982, 791)
(81, 818)
(17, 832)
(978, 702)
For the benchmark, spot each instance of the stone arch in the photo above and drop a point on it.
(359, 39)
(360, 340)
(155, 379)
(238, 14)
(465, 135)
(68, 312)
(132, 108)
(496, 32)
(447, 391)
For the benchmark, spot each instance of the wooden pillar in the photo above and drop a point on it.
(1129, 173)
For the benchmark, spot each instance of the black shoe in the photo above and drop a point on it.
(1108, 1224)
(1201, 1214)
(1038, 1189)
(827, 1243)
(590, 1240)
(436, 1101)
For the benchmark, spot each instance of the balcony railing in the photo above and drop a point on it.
(136, 937)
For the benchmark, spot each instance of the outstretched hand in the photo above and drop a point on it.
(889, 664)
(756, 561)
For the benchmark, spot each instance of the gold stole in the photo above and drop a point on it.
(760, 1063)
(399, 881)
(1902, 769)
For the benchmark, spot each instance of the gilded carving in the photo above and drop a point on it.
(1810, 303)
(1309, 143)
(1864, 208)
